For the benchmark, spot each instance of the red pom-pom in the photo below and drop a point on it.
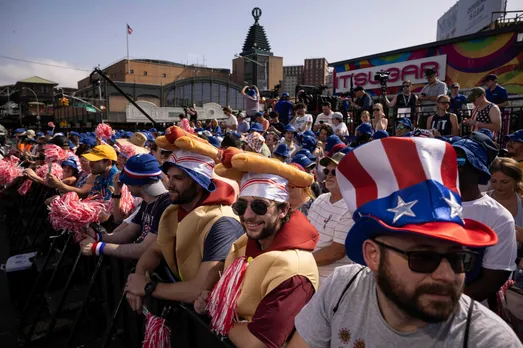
(42, 172)
(126, 202)
(103, 131)
(157, 333)
(126, 150)
(51, 125)
(9, 170)
(69, 212)
(55, 153)
(224, 297)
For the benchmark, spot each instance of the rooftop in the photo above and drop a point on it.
(256, 40)
(38, 80)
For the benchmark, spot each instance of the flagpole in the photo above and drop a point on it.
(128, 63)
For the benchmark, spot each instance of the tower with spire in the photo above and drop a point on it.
(256, 64)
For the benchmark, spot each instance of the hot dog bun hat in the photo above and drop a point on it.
(412, 193)
(193, 155)
(260, 176)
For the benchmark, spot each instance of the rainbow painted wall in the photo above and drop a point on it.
(467, 62)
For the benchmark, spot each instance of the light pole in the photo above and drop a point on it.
(265, 87)
(37, 107)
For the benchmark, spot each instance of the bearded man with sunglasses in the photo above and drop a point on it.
(414, 244)
(279, 272)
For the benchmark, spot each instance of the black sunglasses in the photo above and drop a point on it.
(376, 110)
(258, 206)
(444, 102)
(429, 261)
(405, 86)
(331, 172)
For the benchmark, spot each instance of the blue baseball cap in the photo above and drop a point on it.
(39, 134)
(307, 153)
(143, 170)
(282, 150)
(451, 139)
(71, 163)
(258, 114)
(380, 134)
(308, 142)
(480, 151)
(284, 94)
(289, 128)
(153, 130)
(309, 133)
(49, 133)
(406, 122)
(214, 141)
(302, 160)
(256, 127)
(365, 128)
(331, 141)
(19, 131)
(516, 136)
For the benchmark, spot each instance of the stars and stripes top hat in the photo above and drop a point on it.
(407, 185)
(199, 167)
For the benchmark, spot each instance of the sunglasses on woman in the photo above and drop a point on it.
(444, 102)
(258, 206)
(331, 172)
(376, 110)
(429, 261)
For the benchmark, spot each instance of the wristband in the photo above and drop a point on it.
(98, 248)
(98, 237)
(93, 248)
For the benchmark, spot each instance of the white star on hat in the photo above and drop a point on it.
(402, 209)
(455, 208)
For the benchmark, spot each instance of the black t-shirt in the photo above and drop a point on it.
(442, 124)
(149, 215)
(278, 125)
(218, 243)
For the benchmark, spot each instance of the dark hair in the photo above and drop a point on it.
(282, 206)
(327, 104)
(299, 106)
(273, 114)
(182, 116)
(227, 109)
(328, 128)
(82, 149)
(230, 140)
(154, 147)
(406, 81)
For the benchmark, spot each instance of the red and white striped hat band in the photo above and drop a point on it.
(268, 186)
(190, 160)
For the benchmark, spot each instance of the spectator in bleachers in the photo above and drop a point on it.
(403, 126)
(243, 125)
(324, 132)
(363, 101)
(495, 93)
(232, 122)
(486, 114)
(251, 95)
(325, 117)
(302, 121)
(515, 146)
(379, 119)
(275, 125)
(284, 108)
(404, 99)
(340, 128)
(443, 123)
(457, 100)
(365, 116)
(431, 91)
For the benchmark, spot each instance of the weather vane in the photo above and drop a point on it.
(256, 13)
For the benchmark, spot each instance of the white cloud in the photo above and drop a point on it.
(11, 71)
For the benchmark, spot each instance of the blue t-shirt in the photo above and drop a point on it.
(223, 233)
(284, 109)
(104, 186)
(149, 216)
(456, 104)
(243, 127)
(497, 96)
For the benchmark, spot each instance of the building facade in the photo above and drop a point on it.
(292, 77)
(315, 71)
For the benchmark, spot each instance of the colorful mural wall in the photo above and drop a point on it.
(468, 62)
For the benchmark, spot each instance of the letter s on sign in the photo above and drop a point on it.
(360, 79)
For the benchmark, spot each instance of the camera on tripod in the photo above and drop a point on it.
(382, 77)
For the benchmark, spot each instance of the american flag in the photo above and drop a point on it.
(129, 30)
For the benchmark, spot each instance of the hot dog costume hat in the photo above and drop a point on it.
(406, 185)
(260, 176)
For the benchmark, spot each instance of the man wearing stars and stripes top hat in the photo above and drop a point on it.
(413, 247)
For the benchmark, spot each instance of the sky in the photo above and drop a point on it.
(84, 34)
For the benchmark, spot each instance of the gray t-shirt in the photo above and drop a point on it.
(358, 321)
(434, 90)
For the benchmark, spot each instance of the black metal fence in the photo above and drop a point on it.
(66, 299)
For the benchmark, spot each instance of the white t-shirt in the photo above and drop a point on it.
(231, 121)
(333, 222)
(325, 118)
(301, 122)
(342, 128)
(488, 211)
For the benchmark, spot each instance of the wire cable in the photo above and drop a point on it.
(46, 64)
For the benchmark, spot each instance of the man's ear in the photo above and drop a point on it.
(284, 210)
(371, 254)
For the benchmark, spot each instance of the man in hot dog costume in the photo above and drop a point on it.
(195, 232)
(270, 273)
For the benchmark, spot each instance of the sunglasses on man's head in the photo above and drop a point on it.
(258, 206)
(331, 172)
(429, 261)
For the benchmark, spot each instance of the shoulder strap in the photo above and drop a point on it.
(467, 326)
(335, 309)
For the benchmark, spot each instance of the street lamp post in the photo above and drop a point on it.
(37, 107)
(265, 87)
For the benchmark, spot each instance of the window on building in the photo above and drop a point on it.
(145, 73)
(131, 71)
(164, 75)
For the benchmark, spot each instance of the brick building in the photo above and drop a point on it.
(315, 71)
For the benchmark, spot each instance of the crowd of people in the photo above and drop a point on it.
(284, 228)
